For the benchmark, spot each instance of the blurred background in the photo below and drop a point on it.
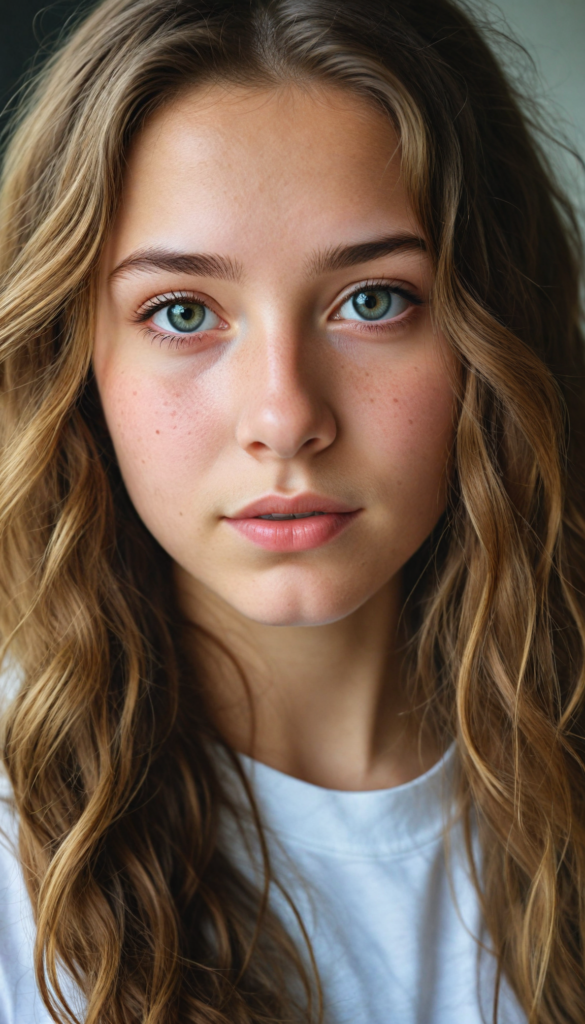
(552, 33)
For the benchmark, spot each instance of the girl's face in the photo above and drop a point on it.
(264, 347)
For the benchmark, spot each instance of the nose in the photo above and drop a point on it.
(285, 413)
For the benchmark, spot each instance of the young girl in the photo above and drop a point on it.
(291, 537)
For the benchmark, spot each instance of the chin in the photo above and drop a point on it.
(294, 605)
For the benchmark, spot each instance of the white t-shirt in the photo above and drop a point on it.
(394, 942)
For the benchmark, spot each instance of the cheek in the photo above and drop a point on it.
(407, 425)
(165, 433)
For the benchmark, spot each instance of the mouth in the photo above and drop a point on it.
(276, 507)
(295, 524)
(278, 518)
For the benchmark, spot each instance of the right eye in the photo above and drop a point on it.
(185, 317)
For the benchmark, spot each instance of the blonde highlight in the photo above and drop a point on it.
(119, 806)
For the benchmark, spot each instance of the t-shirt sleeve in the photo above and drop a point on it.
(20, 1001)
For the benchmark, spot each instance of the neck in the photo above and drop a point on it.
(325, 703)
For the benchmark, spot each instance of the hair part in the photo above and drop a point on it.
(119, 796)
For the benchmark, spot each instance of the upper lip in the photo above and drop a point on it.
(278, 505)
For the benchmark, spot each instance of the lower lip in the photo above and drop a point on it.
(288, 535)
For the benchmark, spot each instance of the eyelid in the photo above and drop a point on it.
(393, 286)
(152, 305)
(157, 302)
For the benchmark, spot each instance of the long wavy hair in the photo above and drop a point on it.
(108, 744)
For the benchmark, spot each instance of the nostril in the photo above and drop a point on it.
(257, 446)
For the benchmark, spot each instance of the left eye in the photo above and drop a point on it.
(186, 317)
(373, 304)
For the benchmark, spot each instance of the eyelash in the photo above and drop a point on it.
(160, 302)
(153, 306)
(381, 326)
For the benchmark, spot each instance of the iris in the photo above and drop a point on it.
(373, 303)
(186, 316)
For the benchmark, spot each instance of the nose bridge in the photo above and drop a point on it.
(286, 379)
(285, 409)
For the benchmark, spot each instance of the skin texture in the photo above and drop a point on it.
(283, 395)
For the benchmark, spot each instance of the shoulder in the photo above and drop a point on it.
(20, 1002)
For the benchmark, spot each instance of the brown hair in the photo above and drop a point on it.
(119, 797)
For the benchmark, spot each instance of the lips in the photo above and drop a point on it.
(301, 505)
(288, 525)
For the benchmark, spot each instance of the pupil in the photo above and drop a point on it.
(373, 304)
(186, 318)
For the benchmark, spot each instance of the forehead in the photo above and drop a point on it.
(230, 168)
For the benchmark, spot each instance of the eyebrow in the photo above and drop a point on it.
(342, 256)
(200, 264)
(214, 265)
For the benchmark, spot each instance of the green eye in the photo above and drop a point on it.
(185, 317)
(373, 304)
